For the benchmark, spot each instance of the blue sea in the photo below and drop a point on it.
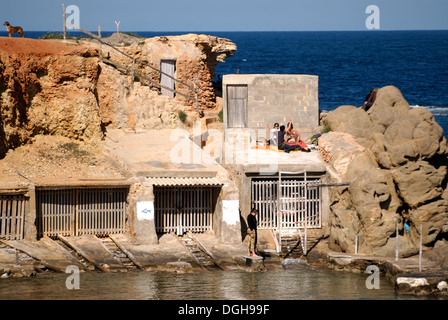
(348, 63)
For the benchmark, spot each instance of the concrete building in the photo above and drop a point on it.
(255, 100)
(265, 177)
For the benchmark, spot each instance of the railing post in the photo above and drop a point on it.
(133, 74)
(279, 212)
(101, 44)
(420, 250)
(64, 23)
(396, 239)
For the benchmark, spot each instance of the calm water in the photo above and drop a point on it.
(299, 282)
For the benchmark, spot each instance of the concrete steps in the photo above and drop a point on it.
(200, 254)
(292, 245)
(118, 254)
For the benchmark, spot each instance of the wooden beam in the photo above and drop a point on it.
(127, 253)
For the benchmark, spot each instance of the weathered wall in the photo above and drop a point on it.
(277, 98)
(143, 107)
(196, 57)
(141, 213)
(121, 106)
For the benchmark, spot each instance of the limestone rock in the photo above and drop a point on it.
(352, 120)
(196, 56)
(47, 88)
(50, 87)
(395, 158)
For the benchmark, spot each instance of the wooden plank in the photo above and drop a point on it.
(2, 216)
(14, 213)
(131, 257)
(46, 251)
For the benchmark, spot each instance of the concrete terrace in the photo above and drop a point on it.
(154, 153)
(268, 161)
(172, 153)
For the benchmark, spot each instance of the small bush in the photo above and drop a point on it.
(182, 116)
(220, 116)
(325, 128)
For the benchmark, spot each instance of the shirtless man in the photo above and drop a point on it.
(293, 134)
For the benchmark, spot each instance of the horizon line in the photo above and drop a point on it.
(195, 31)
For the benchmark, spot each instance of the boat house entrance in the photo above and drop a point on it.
(185, 204)
(289, 202)
(75, 211)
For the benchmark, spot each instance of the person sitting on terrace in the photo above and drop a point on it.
(281, 137)
(293, 140)
(273, 134)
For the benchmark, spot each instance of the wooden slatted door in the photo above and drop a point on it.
(182, 209)
(78, 211)
(168, 68)
(264, 199)
(237, 106)
(12, 216)
(55, 212)
(101, 211)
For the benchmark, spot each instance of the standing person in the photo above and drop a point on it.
(252, 228)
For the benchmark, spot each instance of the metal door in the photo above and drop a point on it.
(237, 106)
(298, 203)
(168, 67)
(184, 208)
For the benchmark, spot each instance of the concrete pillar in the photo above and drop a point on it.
(227, 215)
(325, 203)
(143, 227)
(29, 226)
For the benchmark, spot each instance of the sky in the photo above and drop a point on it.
(229, 15)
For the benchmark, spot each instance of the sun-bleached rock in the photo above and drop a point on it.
(395, 158)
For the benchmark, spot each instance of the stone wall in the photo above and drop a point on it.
(277, 98)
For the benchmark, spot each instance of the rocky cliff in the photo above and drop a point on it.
(47, 87)
(395, 158)
(196, 57)
(53, 87)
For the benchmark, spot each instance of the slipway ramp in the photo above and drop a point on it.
(48, 252)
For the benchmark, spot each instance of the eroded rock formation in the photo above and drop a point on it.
(196, 57)
(396, 160)
(51, 87)
(47, 88)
